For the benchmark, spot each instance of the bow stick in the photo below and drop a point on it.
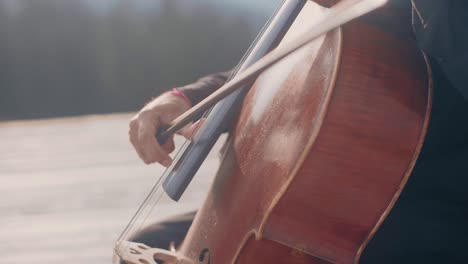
(339, 14)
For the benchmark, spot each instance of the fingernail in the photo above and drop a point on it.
(166, 163)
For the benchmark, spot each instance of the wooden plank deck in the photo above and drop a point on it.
(69, 186)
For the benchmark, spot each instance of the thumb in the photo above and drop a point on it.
(189, 130)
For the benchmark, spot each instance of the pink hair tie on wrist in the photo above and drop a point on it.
(181, 94)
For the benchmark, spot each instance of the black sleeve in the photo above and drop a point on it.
(203, 87)
(441, 30)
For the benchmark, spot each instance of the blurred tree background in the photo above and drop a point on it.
(73, 57)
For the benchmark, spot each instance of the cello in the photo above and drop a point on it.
(324, 141)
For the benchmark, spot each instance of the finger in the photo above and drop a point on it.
(138, 151)
(133, 137)
(150, 148)
(169, 146)
(146, 125)
(157, 153)
(189, 131)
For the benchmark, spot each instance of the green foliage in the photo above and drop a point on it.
(62, 57)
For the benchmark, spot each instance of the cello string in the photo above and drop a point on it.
(342, 13)
(149, 204)
(130, 226)
(158, 183)
(156, 188)
(234, 72)
(339, 14)
(140, 227)
(150, 197)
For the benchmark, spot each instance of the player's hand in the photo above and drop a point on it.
(143, 126)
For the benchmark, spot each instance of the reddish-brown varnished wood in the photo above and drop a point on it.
(267, 251)
(324, 143)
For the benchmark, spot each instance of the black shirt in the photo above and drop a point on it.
(429, 223)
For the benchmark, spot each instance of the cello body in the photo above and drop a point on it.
(325, 141)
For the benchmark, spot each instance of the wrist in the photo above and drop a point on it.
(181, 95)
(172, 99)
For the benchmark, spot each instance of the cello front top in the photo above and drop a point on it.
(338, 122)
